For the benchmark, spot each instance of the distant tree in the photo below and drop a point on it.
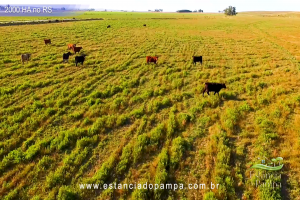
(2, 8)
(149, 10)
(63, 8)
(200, 10)
(230, 11)
(183, 11)
(105, 10)
(160, 10)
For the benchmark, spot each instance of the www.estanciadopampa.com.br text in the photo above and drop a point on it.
(146, 186)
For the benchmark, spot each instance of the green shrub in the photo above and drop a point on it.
(37, 105)
(66, 193)
(91, 102)
(250, 89)
(268, 192)
(98, 125)
(117, 103)
(13, 194)
(147, 94)
(87, 121)
(177, 151)
(161, 175)
(136, 99)
(86, 141)
(209, 196)
(103, 173)
(137, 113)
(14, 157)
(45, 162)
(141, 194)
(125, 159)
(50, 111)
(177, 83)
(76, 115)
(122, 120)
(140, 146)
(184, 118)
(156, 134)
(172, 125)
(32, 151)
(61, 102)
(262, 85)
(245, 107)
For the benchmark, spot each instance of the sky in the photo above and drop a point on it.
(174, 5)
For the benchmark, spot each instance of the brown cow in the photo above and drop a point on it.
(47, 41)
(152, 59)
(70, 46)
(76, 49)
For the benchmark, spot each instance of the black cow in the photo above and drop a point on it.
(66, 56)
(79, 59)
(108, 26)
(144, 25)
(213, 87)
(197, 59)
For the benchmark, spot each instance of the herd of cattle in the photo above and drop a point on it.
(78, 59)
(214, 87)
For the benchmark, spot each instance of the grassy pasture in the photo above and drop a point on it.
(117, 119)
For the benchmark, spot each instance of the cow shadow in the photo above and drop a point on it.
(230, 96)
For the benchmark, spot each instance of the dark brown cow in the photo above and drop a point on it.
(144, 25)
(76, 49)
(108, 26)
(213, 87)
(25, 57)
(152, 59)
(70, 46)
(47, 41)
(197, 59)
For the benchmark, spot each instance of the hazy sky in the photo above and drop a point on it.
(173, 5)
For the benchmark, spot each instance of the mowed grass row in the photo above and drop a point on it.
(117, 119)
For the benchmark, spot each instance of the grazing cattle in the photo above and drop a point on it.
(70, 46)
(79, 59)
(197, 59)
(213, 87)
(47, 41)
(76, 49)
(151, 59)
(25, 57)
(108, 26)
(66, 56)
(144, 25)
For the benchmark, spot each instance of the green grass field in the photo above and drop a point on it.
(118, 119)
